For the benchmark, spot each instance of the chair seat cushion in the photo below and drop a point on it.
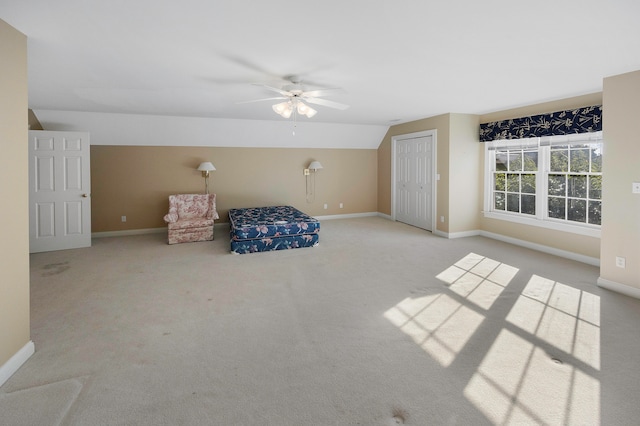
(191, 223)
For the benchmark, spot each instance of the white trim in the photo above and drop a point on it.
(16, 361)
(128, 232)
(545, 249)
(440, 233)
(619, 288)
(464, 234)
(385, 216)
(346, 216)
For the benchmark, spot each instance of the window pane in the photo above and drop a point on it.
(531, 161)
(595, 187)
(559, 159)
(594, 212)
(529, 184)
(557, 185)
(499, 184)
(577, 210)
(529, 204)
(570, 175)
(513, 202)
(515, 161)
(501, 161)
(579, 160)
(513, 182)
(499, 203)
(596, 160)
(556, 208)
(577, 186)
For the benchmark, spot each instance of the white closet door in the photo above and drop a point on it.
(414, 181)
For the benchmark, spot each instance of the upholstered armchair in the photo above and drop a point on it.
(191, 217)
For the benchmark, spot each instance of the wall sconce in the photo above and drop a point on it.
(205, 168)
(311, 183)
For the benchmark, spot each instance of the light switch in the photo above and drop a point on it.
(635, 187)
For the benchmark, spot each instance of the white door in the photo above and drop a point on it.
(414, 180)
(59, 191)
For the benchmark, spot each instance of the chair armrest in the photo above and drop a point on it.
(172, 216)
(212, 213)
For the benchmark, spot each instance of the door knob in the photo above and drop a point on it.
(85, 195)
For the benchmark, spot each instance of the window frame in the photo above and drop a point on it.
(541, 218)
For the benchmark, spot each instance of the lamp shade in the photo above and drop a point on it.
(315, 165)
(206, 167)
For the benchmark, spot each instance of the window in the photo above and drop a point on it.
(555, 180)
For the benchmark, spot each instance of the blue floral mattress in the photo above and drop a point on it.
(271, 228)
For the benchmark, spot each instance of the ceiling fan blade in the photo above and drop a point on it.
(265, 99)
(323, 92)
(324, 102)
(274, 89)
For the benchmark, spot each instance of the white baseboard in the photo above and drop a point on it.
(452, 235)
(347, 216)
(16, 361)
(545, 249)
(128, 232)
(619, 288)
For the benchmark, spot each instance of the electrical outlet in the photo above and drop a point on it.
(123, 218)
(326, 206)
(635, 188)
(621, 262)
(341, 205)
(442, 219)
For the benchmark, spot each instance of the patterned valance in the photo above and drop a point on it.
(581, 120)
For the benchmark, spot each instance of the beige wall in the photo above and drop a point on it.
(14, 244)
(465, 188)
(579, 244)
(34, 123)
(134, 181)
(621, 167)
(544, 108)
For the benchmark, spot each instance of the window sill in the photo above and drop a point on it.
(556, 226)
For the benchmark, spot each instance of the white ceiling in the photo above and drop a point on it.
(397, 61)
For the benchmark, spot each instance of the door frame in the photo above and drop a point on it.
(434, 162)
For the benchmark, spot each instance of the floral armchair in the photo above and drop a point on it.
(191, 217)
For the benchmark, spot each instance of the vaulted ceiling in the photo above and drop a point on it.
(395, 61)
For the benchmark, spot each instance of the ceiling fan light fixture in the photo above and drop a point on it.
(304, 109)
(284, 109)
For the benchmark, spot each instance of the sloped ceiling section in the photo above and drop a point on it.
(154, 130)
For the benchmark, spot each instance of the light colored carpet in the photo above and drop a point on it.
(381, 324)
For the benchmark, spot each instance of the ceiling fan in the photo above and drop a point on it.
(294, 97)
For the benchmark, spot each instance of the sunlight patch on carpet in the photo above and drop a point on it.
(541, 368)
(442, 324)
(479, 279)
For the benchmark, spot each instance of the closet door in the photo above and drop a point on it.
(414, 183)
